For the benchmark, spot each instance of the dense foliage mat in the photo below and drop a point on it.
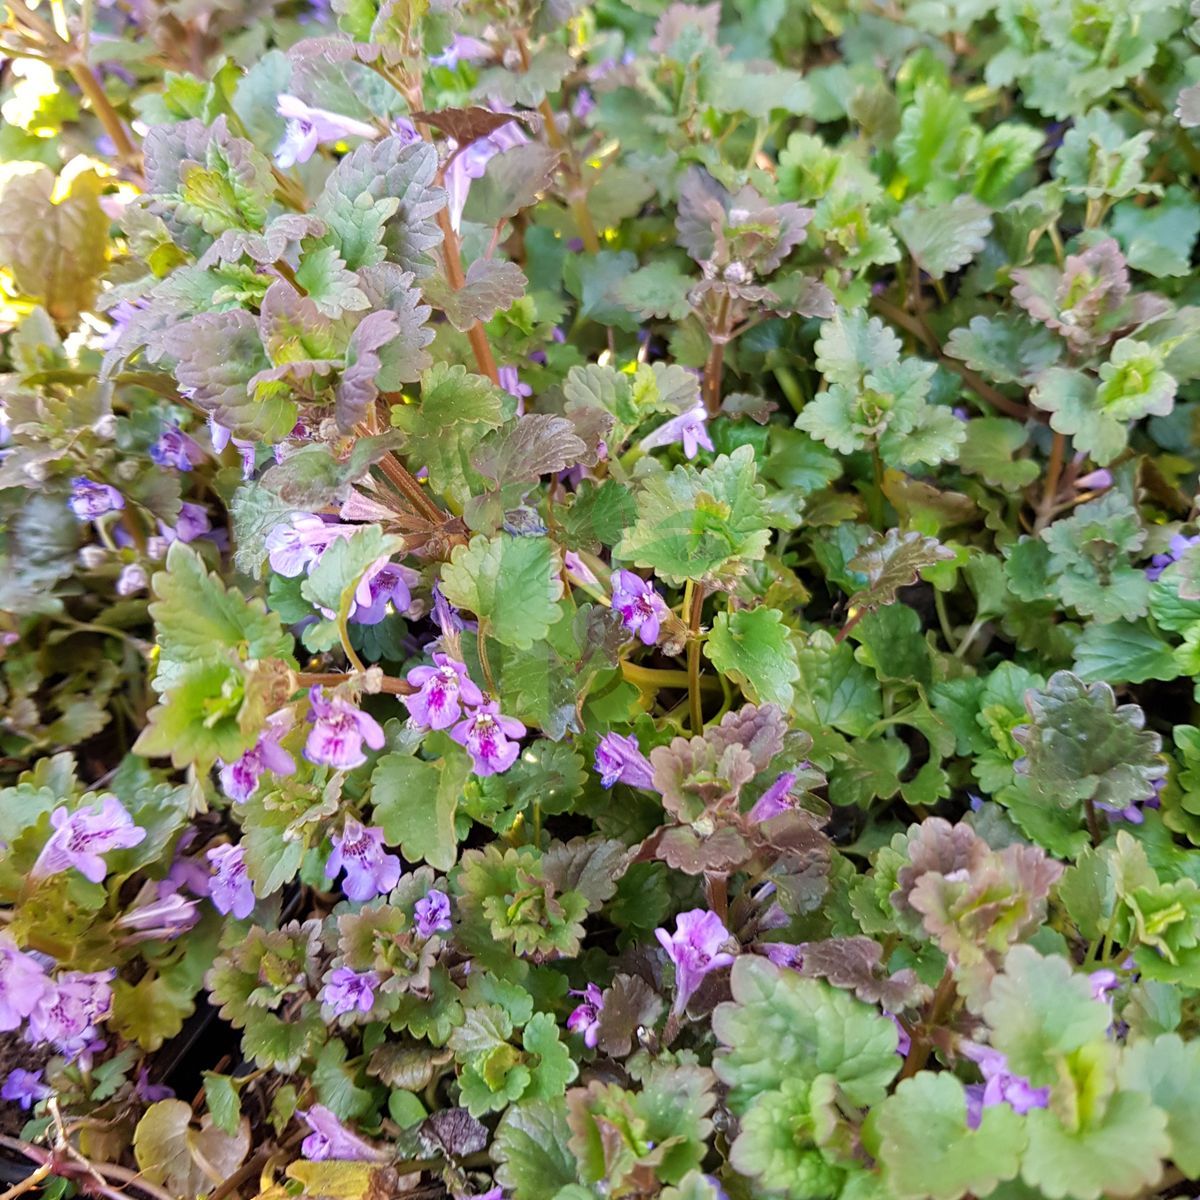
(600, 600)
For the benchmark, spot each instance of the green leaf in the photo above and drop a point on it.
(455, 413)
(943, 238)
(331, 583)
(415, 802)
(1123, 652)
(657, 290)
(1117, 1153)
(491, 286)
(754, 648)
(511, 182)
(1040, 1011)
(780, 1026)
(927, 1149)
(989, 451)
(530, 1149)
(1005, 348)
(553, 1067)
(512, 583)
(833, 688)
(890, 562)
(222, 1097)
(1158, 240)
(1167, 1070)
(699, 524)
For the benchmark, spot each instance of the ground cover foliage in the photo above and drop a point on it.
(600, 600)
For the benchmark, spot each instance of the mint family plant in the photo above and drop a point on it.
(605, 597)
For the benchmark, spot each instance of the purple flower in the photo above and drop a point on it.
(641, 607)
(240, 779)
(23, 983)
(230, 888)
(24, 1088)
(774, 800)
(510, 381)
(485, 733)
(1103, 983)
(462, 48)
(90, 499)
(1175, 550)
(471, 162)
(132, 579)
(191, 523)
(579, 569)
(620, 760)
(308, 127)
(382, 583)
(331, 1139)
(294, 548)
(370, 869)
(903, 1040)
(689, 428)
(175, 449)
(582, 104)
(783, 954)
(1132, 812)
(695, 949)
(1000, 1085)
(585, 1018)
(432, 913)
(151, 1093)
(81, 837)
(160, 917)
(1095, 480)
(445, 688)
(347, 990)
(69, 1011)
(221, 437)
(338, 732)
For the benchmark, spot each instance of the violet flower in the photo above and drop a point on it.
(510, 381)
(432, 913)
(162, 917)
(23, 983)
(903, 1039)
(296, 547)
(338, 732)
(485, 733)
(445, 688)
(347, 990)
(132, 579)
(783, 954)
(579, 569)
(1000, 1085)
(331, 1139)
(175, 449)
(222, 436)
(695, 949)
(370, 870)
(1132, 812)
(619, 759)
(472, 162)
(585, 1017)
(775, 800)
(69, 1011)
(25, 1088)
(191, 523)
(81, 837)
(383, 582)
(239, 780)
(90, 500)
(308, 127)
(1175, 550)
(151, 1093)
(462, 48)
(641, 607)
(230, 888)
(1103, 983)
(689, 428)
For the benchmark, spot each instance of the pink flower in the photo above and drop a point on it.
(359, 851)
(485, 733)
(695, 949)
(80, 838)
(347, 990)
(338, 732)
(445, 688)
(331, 1139)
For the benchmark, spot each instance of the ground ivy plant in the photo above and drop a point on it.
(600, 600)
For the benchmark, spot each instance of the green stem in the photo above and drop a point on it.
(693, 602)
